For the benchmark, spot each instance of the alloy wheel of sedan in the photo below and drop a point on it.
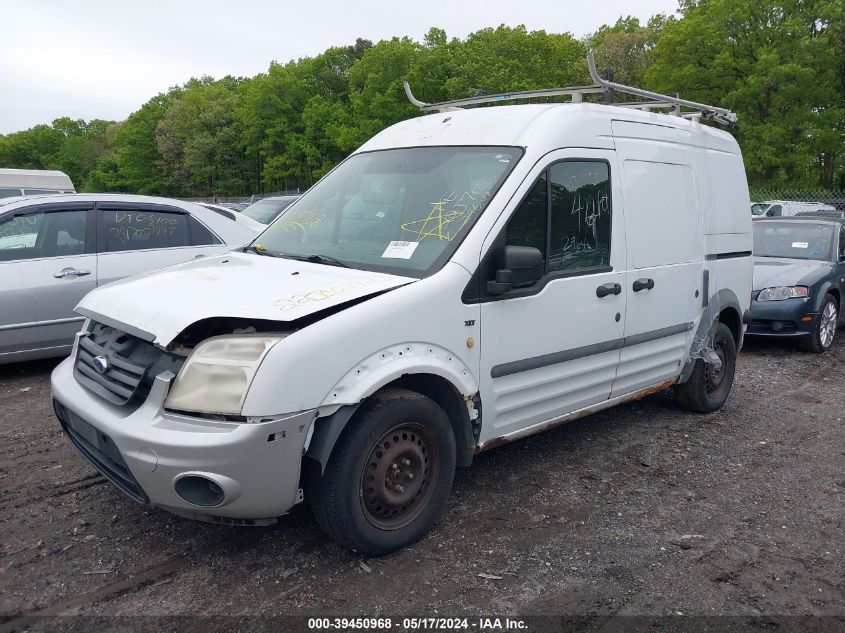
(827, 325)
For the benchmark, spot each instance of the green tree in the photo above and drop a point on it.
(139, 161)
(268, 113)
(197, 139)
(626, 48)
(773, 61)
(35, 148)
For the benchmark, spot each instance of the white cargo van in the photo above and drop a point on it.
(33, 182)
(463, 280)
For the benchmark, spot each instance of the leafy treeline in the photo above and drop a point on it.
(779, 63)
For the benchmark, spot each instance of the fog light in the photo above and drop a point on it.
(777, 326)
(199, 491)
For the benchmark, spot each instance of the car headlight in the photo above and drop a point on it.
(782, 292)
(217, 374)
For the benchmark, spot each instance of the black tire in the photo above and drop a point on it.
(824, 329)
(389, 474)
(707, 388)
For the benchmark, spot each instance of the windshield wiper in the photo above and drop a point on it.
(317, 259)
(327, 259)
(252, 248)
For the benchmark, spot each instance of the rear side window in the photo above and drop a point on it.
(140, 229)
(43, 234)
(9, 193)
(201, 236)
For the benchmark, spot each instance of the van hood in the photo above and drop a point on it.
(770, 272)
(157, 306)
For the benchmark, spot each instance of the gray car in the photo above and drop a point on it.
(799, 280)
(55, 249)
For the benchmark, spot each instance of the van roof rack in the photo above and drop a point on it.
(650, 100)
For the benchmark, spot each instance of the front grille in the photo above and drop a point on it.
(99, 449)
(119, 367)
(120, 380)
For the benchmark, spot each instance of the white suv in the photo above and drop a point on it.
(462, 280)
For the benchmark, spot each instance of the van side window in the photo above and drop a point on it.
(528, 225)
(139, 229)
(580, 221)
(566, 215)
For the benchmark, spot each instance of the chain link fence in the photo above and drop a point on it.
(835, 199)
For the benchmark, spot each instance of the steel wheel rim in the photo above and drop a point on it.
(399, 476)
(827, 325)
(715, 377)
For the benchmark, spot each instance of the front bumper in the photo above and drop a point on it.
(146, 450)
(785, 318)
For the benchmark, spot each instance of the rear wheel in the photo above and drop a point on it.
(389, 476)
(709, 385)
(821, 338)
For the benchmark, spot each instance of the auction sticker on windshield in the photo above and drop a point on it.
(400, 250)
(800, 244)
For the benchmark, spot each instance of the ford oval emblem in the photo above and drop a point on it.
(101, 364)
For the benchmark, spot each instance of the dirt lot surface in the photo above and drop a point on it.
(642, 509)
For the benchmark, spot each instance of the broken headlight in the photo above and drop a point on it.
(217, 374)
(782, 292)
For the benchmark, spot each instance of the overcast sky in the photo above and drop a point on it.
(90, 59)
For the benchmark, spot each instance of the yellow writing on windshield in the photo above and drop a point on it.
(447, 216)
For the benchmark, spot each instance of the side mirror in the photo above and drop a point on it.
(522, 265)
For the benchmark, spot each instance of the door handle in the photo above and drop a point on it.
(71, 272)
(643, 284)
(608, 289)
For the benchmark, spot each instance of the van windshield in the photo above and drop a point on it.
(794, 240)
(400, 211)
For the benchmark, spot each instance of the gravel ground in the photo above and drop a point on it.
(640, 510)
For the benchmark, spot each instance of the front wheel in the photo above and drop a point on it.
(708, 386)
(389, 476)
(821, 338)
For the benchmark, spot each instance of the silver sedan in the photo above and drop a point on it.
(55, 249)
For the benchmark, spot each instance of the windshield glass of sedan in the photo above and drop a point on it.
(265, 211)
(402, 211)
(795, 240)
